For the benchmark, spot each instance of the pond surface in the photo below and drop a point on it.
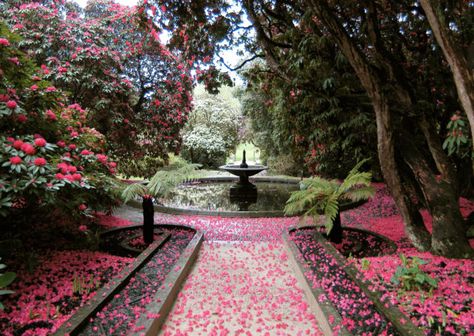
(215, 196)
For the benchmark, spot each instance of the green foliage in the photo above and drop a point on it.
(5, 280)
(162, 182)
(365, 264)
(321, 118)
(458, 140)
(319, 196)
(212, 130)
(409, 276)
(81, 285)
(284, 164)
(143, 167)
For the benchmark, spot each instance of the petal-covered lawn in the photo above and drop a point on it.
(448, 310)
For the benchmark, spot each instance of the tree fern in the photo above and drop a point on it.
(331, 209)
(165, 180)
(361, 193)
(162, 182)
(319, 196)
(133, 190)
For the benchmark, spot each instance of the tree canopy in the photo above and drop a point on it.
(137, 91)
(394, 62)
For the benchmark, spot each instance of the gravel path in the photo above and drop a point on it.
(241, 288)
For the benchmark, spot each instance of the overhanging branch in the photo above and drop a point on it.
(240, 66)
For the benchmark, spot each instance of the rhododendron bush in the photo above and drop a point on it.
(113, 64)
(50, 159)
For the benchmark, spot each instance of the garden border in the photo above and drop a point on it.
(163, 299)
(325, 311)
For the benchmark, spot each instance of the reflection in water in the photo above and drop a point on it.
(214, 196)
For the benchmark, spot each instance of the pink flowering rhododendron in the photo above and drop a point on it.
(40, 162)
(11, 104)
(51, 115)
(4, 42)
(14, 60)
(17, 144)
(101, 158)
(77, 177)
(40, 142)
(15, 160)
(28, 149)
(97, 57)
(26, 131)
(86, 152)
(22, 118)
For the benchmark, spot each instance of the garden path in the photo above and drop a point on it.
(241, 288)
(242, 282)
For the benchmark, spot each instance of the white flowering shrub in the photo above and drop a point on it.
(213, 128)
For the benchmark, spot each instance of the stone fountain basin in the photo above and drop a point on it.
(243, 172)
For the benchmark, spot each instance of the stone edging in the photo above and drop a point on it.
(163, 299)
(326, 312)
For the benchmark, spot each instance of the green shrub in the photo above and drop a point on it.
(409, 276)
(284, 165)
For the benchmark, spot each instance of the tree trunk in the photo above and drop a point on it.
(373, 81)
(148, 219)
(449, 233)
(335, 235)
(463, 76)
(414, 225)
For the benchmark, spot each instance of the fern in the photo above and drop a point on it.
(133, 190)
(361, 193)
(162, 182)
(165, 180)
(318, 196)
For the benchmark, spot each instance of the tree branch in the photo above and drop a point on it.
(264, 41)
(240, 66)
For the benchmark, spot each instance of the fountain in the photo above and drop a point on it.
(243, 171)
(243, 193)
(229, 196)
